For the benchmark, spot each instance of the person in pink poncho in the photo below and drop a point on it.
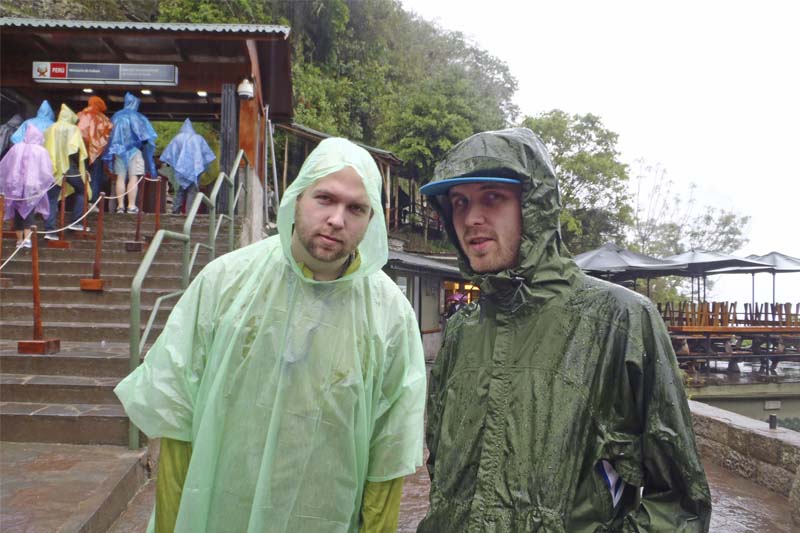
(26, 174)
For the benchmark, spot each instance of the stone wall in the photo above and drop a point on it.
(747, 447)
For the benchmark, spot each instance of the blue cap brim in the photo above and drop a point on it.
(436, 188)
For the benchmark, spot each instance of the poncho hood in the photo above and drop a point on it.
(131, 103)
(6, 131)
(14, 121)
(44, 119)
(45, 112)
(67, 115)
(96, 105)
(33, 136)
(545, 268)
(189, 154)
(329, 156)
(28, 173)
(187, 128)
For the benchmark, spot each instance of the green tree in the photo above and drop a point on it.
(592, 179)
(666, 223)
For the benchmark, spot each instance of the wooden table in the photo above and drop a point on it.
(711, 333)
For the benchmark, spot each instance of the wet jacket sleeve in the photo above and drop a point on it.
(436, 394)
(380, 508)
(396, 441)
(173, 463)
(675, 496)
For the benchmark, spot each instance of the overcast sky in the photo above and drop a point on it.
(709, 90)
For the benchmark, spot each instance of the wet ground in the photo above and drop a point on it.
(738, 505)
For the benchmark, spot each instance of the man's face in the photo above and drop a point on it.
(488, 221)
(332, 215)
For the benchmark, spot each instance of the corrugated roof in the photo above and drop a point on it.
(317, 135)
(420, 262)
(143, 26)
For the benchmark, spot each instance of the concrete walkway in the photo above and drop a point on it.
(64, 487)
(59, 487)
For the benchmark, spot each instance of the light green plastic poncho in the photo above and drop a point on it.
(549, 374)
(293, 392)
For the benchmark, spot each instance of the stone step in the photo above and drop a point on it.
(84, 268)
(115, 281)
(110, 255)
(57, 389)
(73, 331)
(112, 239)
(99, 362)
(112, 296)
(66, 312)
(79, 423)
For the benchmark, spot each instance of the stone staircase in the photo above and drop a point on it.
(68, 397)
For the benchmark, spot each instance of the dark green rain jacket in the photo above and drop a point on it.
(546, 375)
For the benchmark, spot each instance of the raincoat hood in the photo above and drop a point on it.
(189, 154)
(329, 156)
(131, 103)
(132, 131)
(14, 122)
(33, 136)
(6, 131)
(43, 120)
(67, 115)
(95, 127)
(545, 268)
(96, 104)
(28, 173)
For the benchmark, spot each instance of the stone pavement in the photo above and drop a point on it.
(739, 505)
(65, 487)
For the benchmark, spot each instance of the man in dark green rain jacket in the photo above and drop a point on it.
(555, 403)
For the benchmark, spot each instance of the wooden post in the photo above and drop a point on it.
(39, 345)
(396, 201)
(285, 163)
(387, 189)
(95, 283)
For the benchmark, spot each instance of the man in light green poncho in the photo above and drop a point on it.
(555, 403)
(288, 384)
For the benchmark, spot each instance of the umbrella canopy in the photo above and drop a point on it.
(701, 262)
(773, 262)
(618, 263)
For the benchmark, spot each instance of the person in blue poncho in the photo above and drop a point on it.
(44, 118)
(131, 148)
(189, 155)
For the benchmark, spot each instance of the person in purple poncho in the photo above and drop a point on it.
(26, 174)
(188, 154)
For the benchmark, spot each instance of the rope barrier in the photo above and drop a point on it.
(86, 213)
(10, 257)
(36, 197)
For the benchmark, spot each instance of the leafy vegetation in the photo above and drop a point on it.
(373, 72)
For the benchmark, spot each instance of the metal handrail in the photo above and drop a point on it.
(137, 342)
